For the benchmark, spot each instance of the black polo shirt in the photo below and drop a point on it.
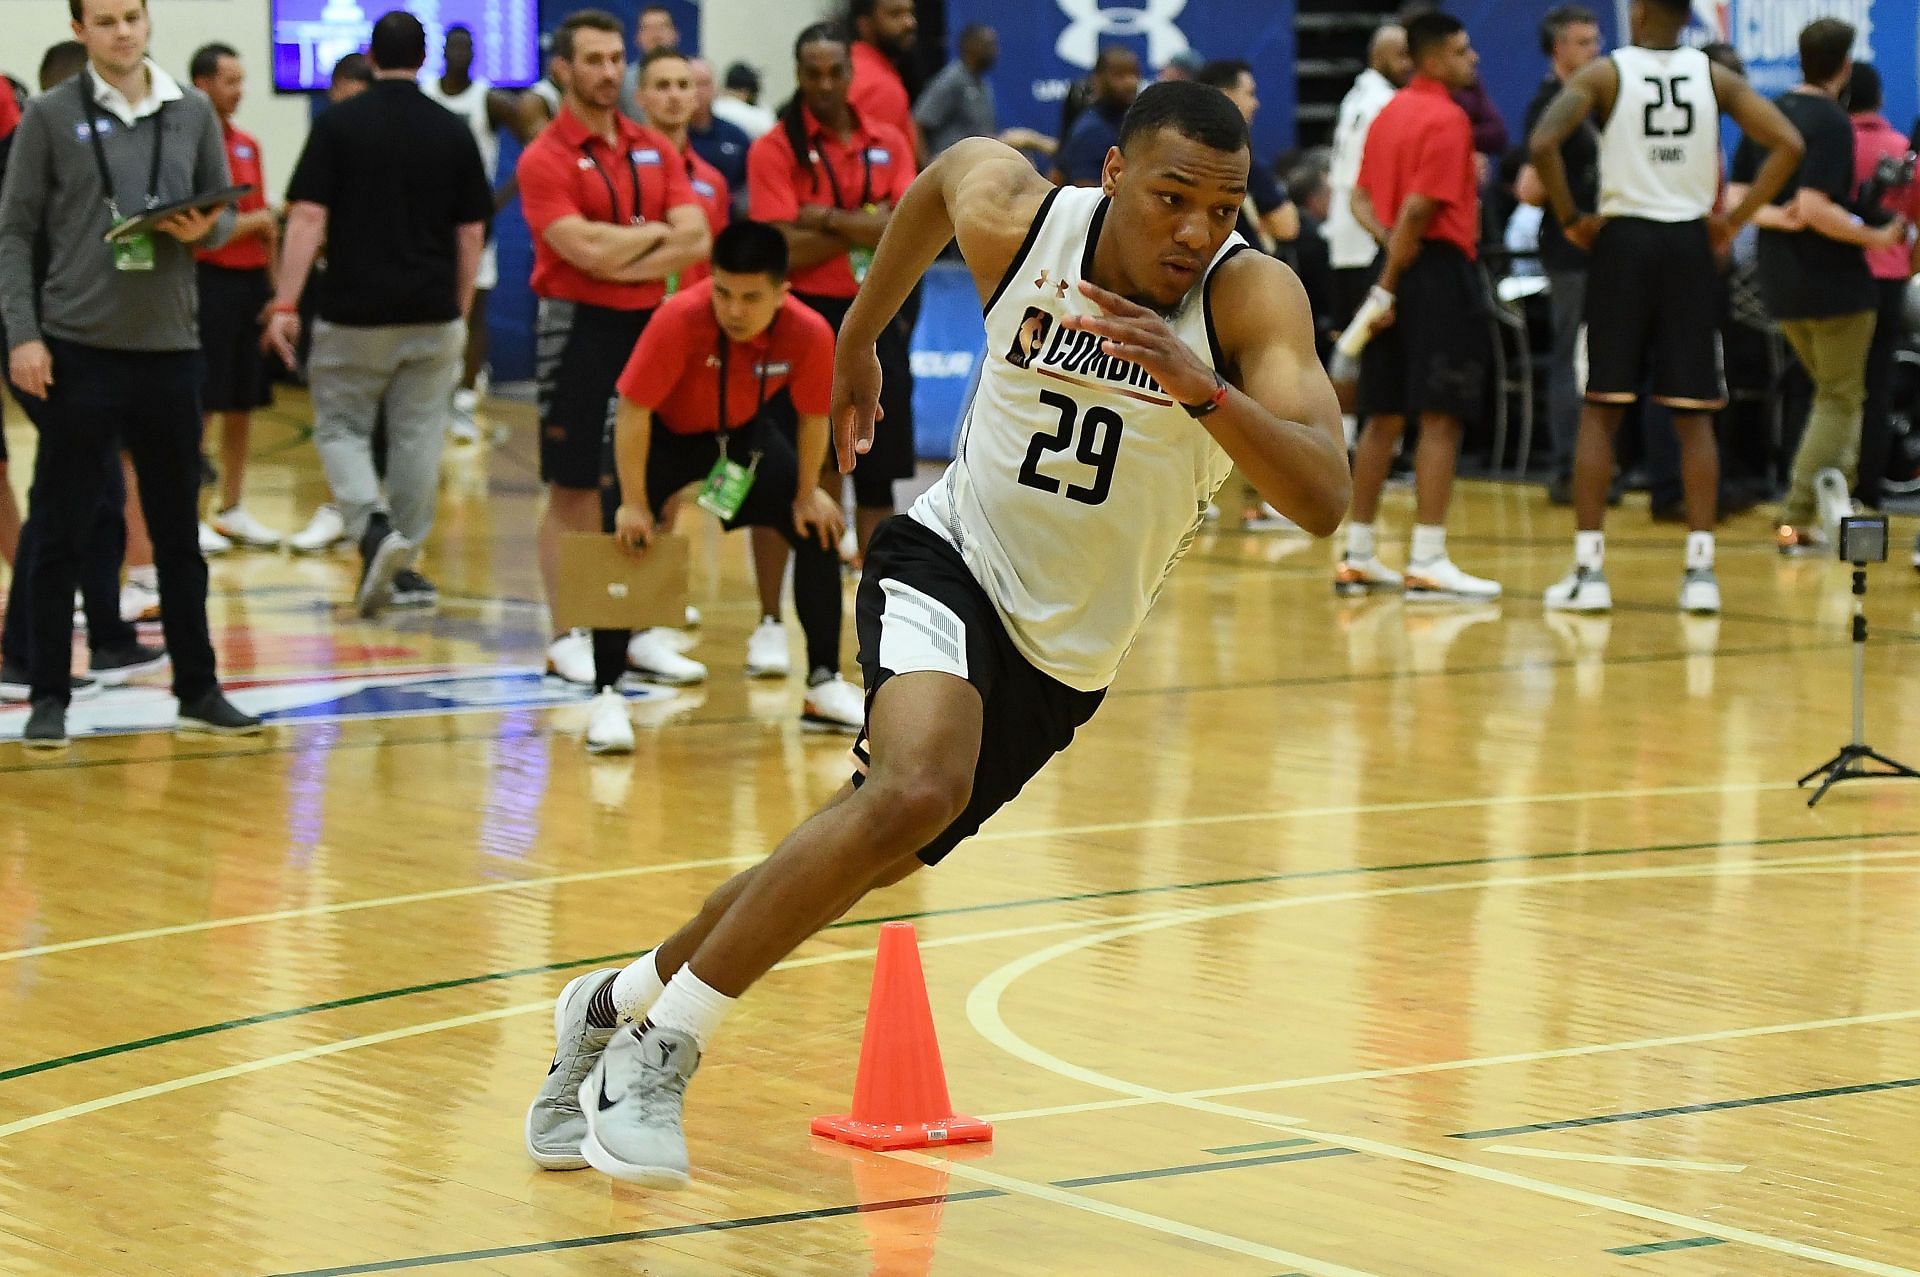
(1803, 274)
(1580, 153)
(396, 172)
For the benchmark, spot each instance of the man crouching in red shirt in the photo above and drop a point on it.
(692, 409)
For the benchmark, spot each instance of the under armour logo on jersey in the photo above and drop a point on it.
(1094, 26)
(1059, 287)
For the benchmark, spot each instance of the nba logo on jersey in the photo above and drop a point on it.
(1030, 338)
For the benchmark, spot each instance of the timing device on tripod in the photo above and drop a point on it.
(1862, 540)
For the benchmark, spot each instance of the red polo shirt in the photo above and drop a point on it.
(675, 370)
(1421, 143)
(710, 189)
(243, 162)
(874, 165)
(877, 92)
(570, 171)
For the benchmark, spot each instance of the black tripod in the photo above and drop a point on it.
(1850, 762)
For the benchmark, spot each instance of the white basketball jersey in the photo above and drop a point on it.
(1077, 482)
(470, 105)
(1660, 150)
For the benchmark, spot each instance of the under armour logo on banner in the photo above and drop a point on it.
(1093, 26)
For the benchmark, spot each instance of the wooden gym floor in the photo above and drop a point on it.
(1352, 938)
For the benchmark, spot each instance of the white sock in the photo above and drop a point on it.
(1699, 551)
(1429, 543)
(1589, 550)
(1361, 544)
(692, 1006)
(146, 574)
(638, 987)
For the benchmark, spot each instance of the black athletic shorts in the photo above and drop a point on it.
(234, 371)
(676, 460)
(1437, 355)
(1653, 319)
(892, 456)
(1350, 285)
(579, 353)
(920, 609)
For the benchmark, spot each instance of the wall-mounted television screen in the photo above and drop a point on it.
(309, 36)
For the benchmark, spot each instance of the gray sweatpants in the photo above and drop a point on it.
(352, 371)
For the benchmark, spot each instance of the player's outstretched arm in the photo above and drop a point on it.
(981, 191)
(1283, 427)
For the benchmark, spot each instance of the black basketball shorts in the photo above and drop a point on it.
(1437, 355)
(919, 609)
(1652, 315)
(579, 354)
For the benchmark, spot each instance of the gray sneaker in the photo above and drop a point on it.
(555, 1126)
(632, 1103)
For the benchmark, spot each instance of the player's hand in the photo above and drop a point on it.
(632, 527)
(1584, 231)
(1892, 235)
(1720, 233)
(31, 368)
(856, 403)
(1133, 332)
(282, 334)
(819, 516)
(191, 228)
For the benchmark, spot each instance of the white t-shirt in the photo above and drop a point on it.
(1348, 243)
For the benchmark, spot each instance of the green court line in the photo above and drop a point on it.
(1654, 1248)
(1257, 1148)
(364, 999)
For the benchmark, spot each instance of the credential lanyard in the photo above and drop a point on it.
(613, 200)
(760, 403)
(100, 152)
(866, 179)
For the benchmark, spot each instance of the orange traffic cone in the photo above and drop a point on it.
(900, 1096)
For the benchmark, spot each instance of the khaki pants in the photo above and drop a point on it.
(1834, 352)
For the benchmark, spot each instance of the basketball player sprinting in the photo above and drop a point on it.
(1653, 279)
(1135, 355)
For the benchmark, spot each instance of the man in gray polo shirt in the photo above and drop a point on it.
(109, 340)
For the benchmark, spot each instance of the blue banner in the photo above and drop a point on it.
(1767, 33)
(1045, 45)
(947, 345)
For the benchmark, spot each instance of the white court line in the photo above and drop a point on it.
(525, 1008)
(1478, 1062)
(602, 875)
(1607, 1159)
(383, 902)
(1157, 1223)
(983, 1010)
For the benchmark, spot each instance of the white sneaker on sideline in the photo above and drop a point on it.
(241, 528)
(767, 655)
(139, 602)
(1833, 500)
(693, 617)
(461, 426)
(1581, 590)
(324, 530)
(1442, 581)
(211, 542)
(652, 657)
(1267, 519)
(609, 730)
(833, 706)
(1364, 576)
(1700, 592)
(570, 658)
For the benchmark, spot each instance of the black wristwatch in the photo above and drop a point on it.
(1211, 402)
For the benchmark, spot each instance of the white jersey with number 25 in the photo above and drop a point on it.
(1660, 150)
(1077, 481)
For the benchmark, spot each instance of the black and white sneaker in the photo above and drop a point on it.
(212, 714)
(113, 666)
(15, 685)
(46, 725)
(384, 555)
(411, 589)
